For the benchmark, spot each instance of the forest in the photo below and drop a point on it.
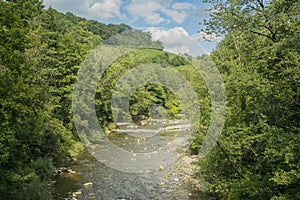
(258, 153)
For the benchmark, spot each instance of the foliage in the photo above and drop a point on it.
(134, 38)
(258, 154)
(147, 95)
(41, 51)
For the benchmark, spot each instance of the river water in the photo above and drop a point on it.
(95, 180)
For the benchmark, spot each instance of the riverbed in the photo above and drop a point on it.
(87, 178)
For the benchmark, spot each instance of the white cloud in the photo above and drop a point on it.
(67, 5)
(178, 41)
(206, 36)
(175, 40)
(154, 19)
(102, 9)
(146, 10)
(183, 6)
(176, 16)
(106, 9)
(155, 11)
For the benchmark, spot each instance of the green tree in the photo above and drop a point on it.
(257, 156)
(30, 139)
(41, 51)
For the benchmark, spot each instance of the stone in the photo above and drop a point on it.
(77, 193)
(162, 184)
(70, 171)
(87, 185)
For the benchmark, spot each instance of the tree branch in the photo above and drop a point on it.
(261, 34)
(261, 4)
(237, 169)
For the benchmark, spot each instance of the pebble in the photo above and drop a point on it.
(74, 159)
(162, 184)
(91, 196)
(86, 185)
(77, 193)
(64, 170)
(71, 171)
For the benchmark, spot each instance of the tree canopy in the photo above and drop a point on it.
(258, 155)
(41, 51)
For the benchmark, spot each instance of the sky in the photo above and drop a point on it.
(174, 22)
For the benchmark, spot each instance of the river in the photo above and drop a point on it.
(90, 179)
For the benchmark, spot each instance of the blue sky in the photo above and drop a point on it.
(174, 22)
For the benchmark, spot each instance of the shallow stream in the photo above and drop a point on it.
(92, 179)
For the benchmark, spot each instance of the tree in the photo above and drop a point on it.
(41, 51)
(30, 139)
(257, 156)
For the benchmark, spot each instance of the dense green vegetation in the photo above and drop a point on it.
(145, 96)
(41, 51)
(258, 154)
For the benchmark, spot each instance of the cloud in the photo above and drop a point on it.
(178, 12)
(145, 9)
(206, 36)
(175, 40)
(155, 11)
(106, 9)
(176, 16)
(102, 9)
(67, 5)
(178, 41)
(152, 12)
(183, 6)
